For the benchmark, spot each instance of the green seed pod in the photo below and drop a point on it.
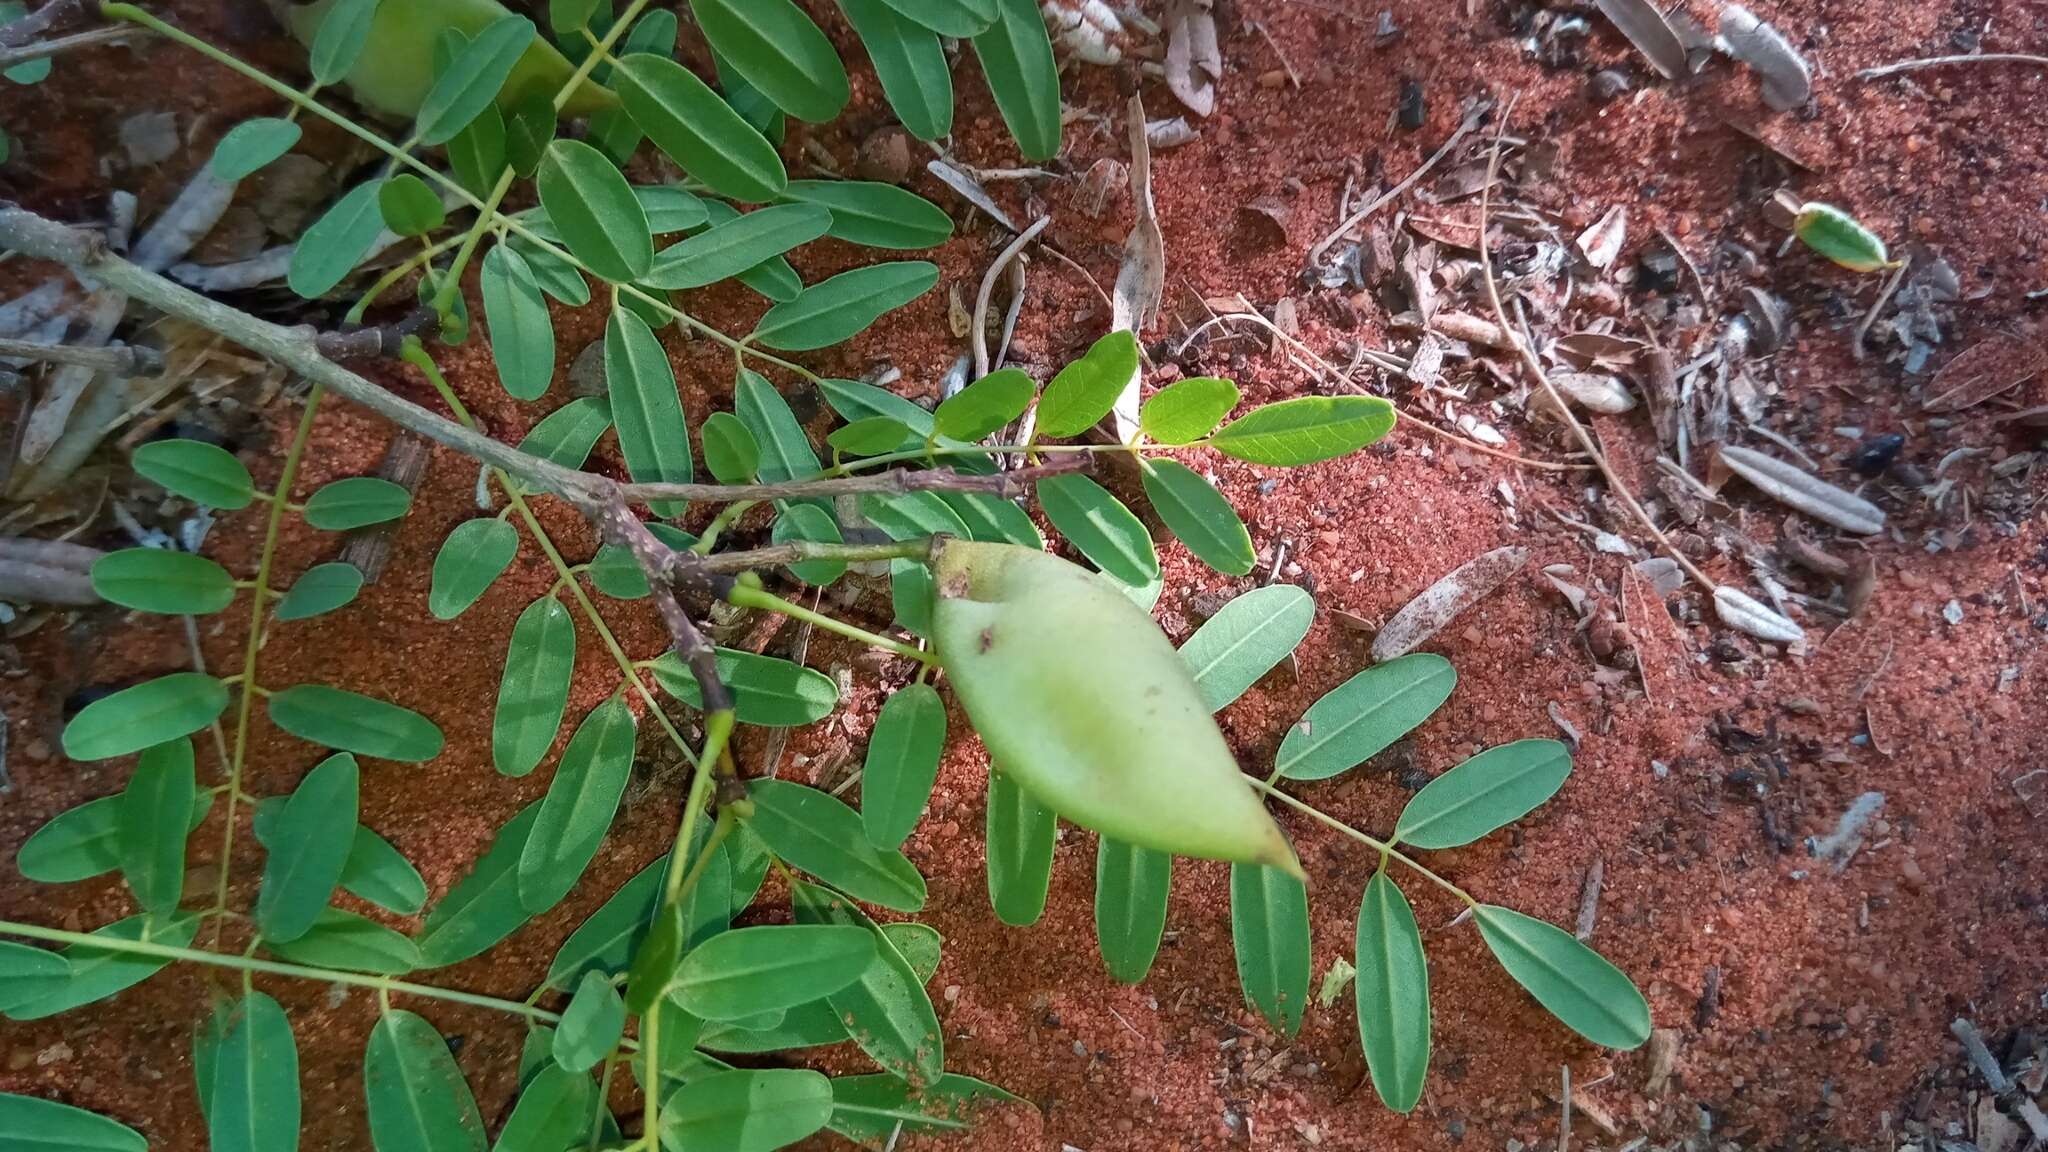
(1840, 237)
(396, 67)
(1085, 704)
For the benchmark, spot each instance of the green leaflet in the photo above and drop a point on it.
(556, 276)
(309, 847)
(1392, 994)
(1098, 524)
(874, 214)
(837, 309)
(418, 1099)
(473, 556)
(868, 1109)
(483, 908)
(1084, 391)
(1841, 238)
(344, 33)
(161, 581)
(1362, 716)
(748, 971)
(786, 452)
(148, 713)
(992, 518)
(1269, 931)
(379, 873)
(885, 1007)
(873, 436)
(1199, 516)
(591, 1024)
(97, 973)
(582, 799)
(910, 61)
(567, 435)
(334, 244)
(1187, 410)
(28, 974)
(777, 49)
(321, 589)
(670, 208)
(812, 523)
(817, 833)
(83, 842)
(729, 449)
(1016, 56)
(590, 203)
(605, 942)
(198, 471)
(959, 19)
(698, 129)
(251, 146)
(725, 250)
(1246, 639)
(477, 156)
(984, 406)
(902, 763)
(1131, 886)
(614, 572)
(351, 943)
(554, 1112)
(155, 819)
(351, 722)
(1489, 791)
(522, 333)
(39, 1124)
(253, 1089)
(533, 692)
(1574, 983)
(1305, 430)
(473, 80)
(1020, 833)
(654, 435)
(746, 1111)
(356, 502)
(767, 691)
(409, 207)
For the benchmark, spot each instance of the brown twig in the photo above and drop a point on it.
(368, 548)
(125, 360)
(666, 569)
(1380, 201)
(47, 572)
(1942, 61)
(1535, 366)
(979, 331)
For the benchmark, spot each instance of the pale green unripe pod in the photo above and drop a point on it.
(397, 67)
(1087, 706)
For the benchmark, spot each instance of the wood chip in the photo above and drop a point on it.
(1141, 277)
(1601, 244)
(1742, 612)
(1646, 28)
(1788, 82)
(1194, 63)
(1795, 487)
(1442, 601)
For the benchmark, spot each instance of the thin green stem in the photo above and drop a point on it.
(382, 984)
(726, 518)
(748, 597)
(717, 732)
(399, 272)
(1384, 848)
(602, 51)
(451, 284)
(259, 609)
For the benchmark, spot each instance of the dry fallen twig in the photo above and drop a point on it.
(1943, 61)
(1356, 218)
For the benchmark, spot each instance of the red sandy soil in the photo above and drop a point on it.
(1809, 1009)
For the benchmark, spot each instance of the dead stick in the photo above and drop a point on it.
(44, 49)
(1943, 61)
(988, 287)
(1535, 367)
(125, 360)
(405, 464)
(1380, 201)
